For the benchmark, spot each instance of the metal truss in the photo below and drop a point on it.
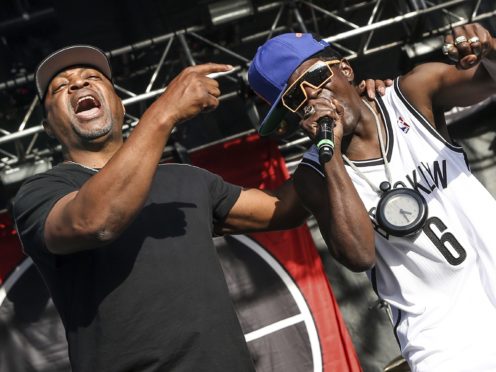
(358, 29)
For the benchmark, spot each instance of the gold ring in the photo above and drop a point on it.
(460, 39)
(447, 48)
(474, 39)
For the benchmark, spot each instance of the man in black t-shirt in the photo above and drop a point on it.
(124, 244)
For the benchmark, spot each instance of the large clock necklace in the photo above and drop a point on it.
(401, 211)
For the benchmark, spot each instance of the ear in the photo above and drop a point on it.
(47, 128)
(347, 70)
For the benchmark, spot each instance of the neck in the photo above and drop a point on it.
(363, 143)
(92, 158)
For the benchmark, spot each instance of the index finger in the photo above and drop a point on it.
(209, 68)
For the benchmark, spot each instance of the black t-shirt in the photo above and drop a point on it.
(153, 300)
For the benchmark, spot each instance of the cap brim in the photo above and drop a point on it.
(75, 55)
(273, 117)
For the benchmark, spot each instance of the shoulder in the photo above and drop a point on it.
(425, 79)
(424, 85)
(61, 173)
(65, 171)
(178, 168)
(53, 183)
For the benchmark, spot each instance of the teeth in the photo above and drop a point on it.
(86, 103)
(85, 98)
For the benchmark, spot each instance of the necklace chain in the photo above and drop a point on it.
(81, 165)
(383, 154)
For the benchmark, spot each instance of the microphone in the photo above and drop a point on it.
(325, 139)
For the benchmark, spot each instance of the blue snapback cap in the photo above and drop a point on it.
(272, 66)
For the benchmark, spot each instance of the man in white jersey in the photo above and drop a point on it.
(434, 260)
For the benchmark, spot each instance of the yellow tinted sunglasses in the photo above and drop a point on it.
(315, 77)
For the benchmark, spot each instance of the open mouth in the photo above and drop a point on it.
(86, 103)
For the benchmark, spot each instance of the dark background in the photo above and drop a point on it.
(31, 29)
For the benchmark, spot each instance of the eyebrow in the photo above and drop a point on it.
(66, 72)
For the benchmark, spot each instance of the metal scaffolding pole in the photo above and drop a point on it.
(306, 14)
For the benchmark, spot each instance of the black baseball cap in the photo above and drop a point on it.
(73, 55)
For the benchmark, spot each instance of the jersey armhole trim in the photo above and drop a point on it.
(312, 164)
(423, 120)
(373, 280)
(389, 138)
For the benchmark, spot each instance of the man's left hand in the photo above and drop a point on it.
(468, 44)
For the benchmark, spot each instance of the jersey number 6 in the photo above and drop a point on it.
(447, 244)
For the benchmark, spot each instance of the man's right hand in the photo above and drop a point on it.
(191, 92)
(324, 105)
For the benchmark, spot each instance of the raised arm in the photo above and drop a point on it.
(342, 217)
(107, 203)
(437, 87)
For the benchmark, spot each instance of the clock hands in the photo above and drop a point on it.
(404, 213)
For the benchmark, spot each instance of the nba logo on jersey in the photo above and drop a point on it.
(404, 126)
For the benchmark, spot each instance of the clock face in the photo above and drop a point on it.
(401, 211)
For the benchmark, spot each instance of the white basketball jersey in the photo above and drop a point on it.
(440, 283)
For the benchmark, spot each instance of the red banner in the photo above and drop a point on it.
(10, 247)
(321, 338)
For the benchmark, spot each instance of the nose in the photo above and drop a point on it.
(312, 92)
(78, 83)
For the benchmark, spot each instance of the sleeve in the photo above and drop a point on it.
(31, 206)
(223, 195)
